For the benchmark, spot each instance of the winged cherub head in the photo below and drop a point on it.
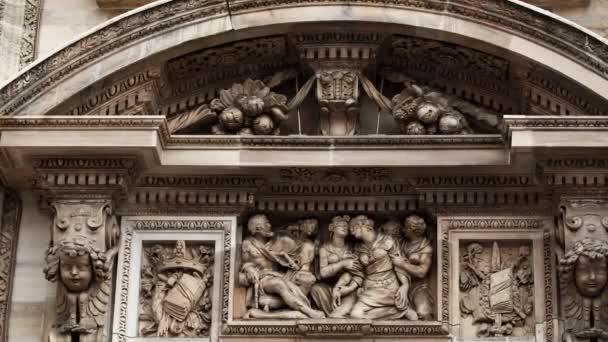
(587, 262)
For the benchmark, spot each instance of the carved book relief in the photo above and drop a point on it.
(175, 291)
(358, 270)
(496, 285)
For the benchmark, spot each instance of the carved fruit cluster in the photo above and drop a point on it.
(249, 108)
(421, 112)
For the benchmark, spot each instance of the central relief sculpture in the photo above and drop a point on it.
(360, 272)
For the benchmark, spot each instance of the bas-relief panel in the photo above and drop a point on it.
(496, 288)
(175, 289)
(172, 278)
(361, 271)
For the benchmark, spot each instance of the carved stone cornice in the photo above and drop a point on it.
(83, 177)
(179, 194)
(585, 48)
(210, 141)
(520, 122)
(574, 173)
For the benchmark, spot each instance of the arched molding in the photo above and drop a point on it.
(135, 36)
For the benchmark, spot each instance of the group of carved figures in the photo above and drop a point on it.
(383, 276)
(252, 108)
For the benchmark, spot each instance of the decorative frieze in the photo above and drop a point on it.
(136, 94)
(71, 175)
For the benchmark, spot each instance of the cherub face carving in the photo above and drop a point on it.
(591, 275)
(76, 271)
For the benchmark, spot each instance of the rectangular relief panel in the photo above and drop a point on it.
(497, 278)
(357, 276)
(173, 276)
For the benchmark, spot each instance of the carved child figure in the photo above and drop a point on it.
(583, 279)
(84, 286)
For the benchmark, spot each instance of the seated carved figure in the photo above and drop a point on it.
(261, 273)
(381, 286)
(340, 272)
(298, 243)
(583, 276)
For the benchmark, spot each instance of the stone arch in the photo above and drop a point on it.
(521, 29)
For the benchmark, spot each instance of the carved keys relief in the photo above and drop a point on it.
(364, 271)
(175, 291)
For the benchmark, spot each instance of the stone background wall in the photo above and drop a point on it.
(593, 16)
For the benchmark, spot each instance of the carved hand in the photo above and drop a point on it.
(336, 298)
(401, 300)
(351, 265)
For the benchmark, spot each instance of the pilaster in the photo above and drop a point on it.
(82, 193)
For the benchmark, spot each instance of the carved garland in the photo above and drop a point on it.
(581, 46)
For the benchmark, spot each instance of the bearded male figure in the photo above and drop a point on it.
(271, 293)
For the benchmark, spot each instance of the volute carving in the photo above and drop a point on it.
(380, 276)
(80, 259)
